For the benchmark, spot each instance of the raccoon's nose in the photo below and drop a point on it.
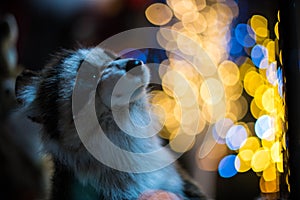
(132, 64)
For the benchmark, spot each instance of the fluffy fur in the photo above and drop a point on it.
(47, 99)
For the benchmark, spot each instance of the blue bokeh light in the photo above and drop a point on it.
(226, 166)
(280, 81)
(258, 54)
(244, 35)
(234, 47)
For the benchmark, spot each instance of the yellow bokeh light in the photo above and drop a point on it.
(182, 142)
(190, 121)
(231, 116)
(233, 108)
(259, 25)
(246, 155)
(271, 51)
(187, 42)
(269, 174)
(279, 166)
(177, 112)
(162, 41)
(210, 15)
(178, 27)
(182, 7)
(255, 110)
(171, 3)
(160, 98)
(263, 71)
(260, 160)
(229, 72)
(268, 100)
(225, 14)
(201, 4)
(183, 88)
(258, 95)
(201, 124)
(266, 41)
(283, 141)
(252, 81)
(164, 106)
(204, 65)
(166, 134)
(213, 113)
(170, 133)
(267, 143)
(276, 154)
(212, 91)
(269, 186)
(280, 57)
(213, 51)
(194, 22)
(166, 33)
(276, 30)
(242, 162)
(234, 92)
(251, 143)
(171, 122)
(169, 81)
(246, 67)
(159, 14)
(242, 107)
(171, 46)
(163, 68)
(188, 97)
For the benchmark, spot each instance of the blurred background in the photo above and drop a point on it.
(238, 148)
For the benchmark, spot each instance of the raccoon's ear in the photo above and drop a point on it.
(26, 87)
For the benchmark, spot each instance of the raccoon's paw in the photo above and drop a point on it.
(159, 195)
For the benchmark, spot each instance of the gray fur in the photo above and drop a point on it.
(46, 97)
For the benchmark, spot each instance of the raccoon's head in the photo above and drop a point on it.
(47, 95)
(123, 81)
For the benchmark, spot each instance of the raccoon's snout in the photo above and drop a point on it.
(132, 64)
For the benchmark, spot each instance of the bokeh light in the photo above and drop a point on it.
(218, 96)
(235, 137)
(258, 55)
(242, 161)
(245, 35)
(260, 25)
(221, 128)
(159, 14)
(260, 160)
(227, 167)
(265, 127)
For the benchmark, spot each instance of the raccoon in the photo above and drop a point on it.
(46, 98)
